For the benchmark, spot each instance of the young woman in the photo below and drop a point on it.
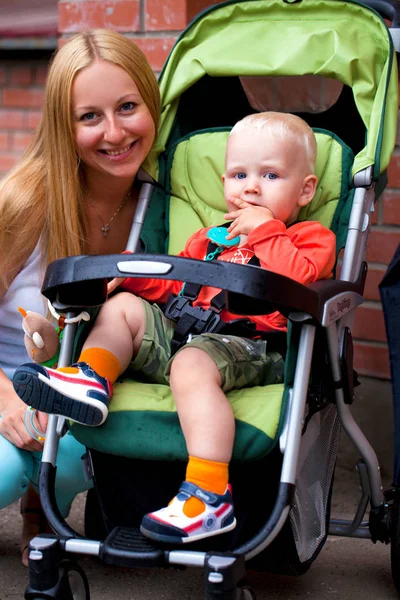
(73, 192)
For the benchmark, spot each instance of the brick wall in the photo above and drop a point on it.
(21, 98)
(155, 25)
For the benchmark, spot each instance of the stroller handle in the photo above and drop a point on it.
(387, 9)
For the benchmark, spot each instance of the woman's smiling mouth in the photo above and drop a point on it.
(114, 154)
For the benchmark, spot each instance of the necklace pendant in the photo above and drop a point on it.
(105, 229)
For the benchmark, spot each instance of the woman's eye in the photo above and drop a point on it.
(90, 116)
(241, 176)
(126, 106)
(270, 176)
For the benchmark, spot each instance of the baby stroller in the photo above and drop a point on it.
(333, 64)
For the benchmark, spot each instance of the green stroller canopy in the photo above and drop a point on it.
(345, 41)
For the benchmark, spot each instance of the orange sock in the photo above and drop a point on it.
(209, 475)
(102, 361)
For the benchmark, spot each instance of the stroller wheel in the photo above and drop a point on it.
(247, 594)
(395, 539)
(74, 584)
(78, 583)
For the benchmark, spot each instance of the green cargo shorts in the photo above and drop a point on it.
(242, 362)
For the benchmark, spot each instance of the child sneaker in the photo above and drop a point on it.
(82, 397)
(172, 526)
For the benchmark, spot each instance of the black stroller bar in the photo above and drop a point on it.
(81, 282)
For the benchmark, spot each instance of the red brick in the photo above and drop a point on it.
(375, 214)
(21, 75)
(165, 16)
(23, 97)
(32, 118)
(20, 140)
(391, 207)
(4, 143)
(3, 74)
(41, 74)
(398, 131)
(374, 277)
(11, 119)
(156, 50)
(372, 360)
(394, 170)
(369, 324)
(382, 245)
(6, 162)
(121, 15)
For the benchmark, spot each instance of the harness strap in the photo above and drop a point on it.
(194, 320)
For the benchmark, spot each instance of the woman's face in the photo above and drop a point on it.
(113, 128)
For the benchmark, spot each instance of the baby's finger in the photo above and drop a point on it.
(238, 202)
(233, 215)
(234, 199)
(234, 231)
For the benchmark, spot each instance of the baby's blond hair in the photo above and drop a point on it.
(283, 126)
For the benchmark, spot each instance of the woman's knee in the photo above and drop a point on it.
(14, 472)
(70, 477)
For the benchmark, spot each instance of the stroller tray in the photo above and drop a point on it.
(127, 547)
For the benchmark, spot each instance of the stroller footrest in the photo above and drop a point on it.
(127, 547)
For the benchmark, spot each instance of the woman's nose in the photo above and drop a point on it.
(113, 131)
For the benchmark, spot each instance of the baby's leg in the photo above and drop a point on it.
(201, 372)
(204, 411)
(82, 392)
(203, 506)
(119, 329)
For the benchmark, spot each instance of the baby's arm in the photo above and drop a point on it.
(305, 252)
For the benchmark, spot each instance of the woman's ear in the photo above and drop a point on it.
(223, 178)
(308, 190)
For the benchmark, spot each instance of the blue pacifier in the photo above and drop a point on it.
(217, 235)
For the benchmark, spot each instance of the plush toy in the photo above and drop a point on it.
(42, 339)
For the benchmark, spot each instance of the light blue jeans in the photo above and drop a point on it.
(19, 467)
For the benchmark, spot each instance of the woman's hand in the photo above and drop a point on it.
(12, 411)
(246, 218)
(114, 283)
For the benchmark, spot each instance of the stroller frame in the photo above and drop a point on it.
(48, 578)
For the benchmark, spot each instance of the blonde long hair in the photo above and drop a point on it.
(42, 196)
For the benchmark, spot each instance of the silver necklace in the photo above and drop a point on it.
(105, 227)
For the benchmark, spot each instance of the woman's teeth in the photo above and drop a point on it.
(117, 152)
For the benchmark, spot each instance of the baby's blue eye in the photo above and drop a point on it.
(241, 176)
(271, 176)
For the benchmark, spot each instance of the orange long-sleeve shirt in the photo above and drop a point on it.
(304, 252)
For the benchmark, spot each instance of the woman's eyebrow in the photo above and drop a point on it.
(118, 101)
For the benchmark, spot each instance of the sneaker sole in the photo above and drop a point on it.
(171, 539)
(32, 389)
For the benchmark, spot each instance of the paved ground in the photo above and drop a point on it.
(349, 569)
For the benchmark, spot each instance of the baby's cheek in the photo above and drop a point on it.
(231, 207)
